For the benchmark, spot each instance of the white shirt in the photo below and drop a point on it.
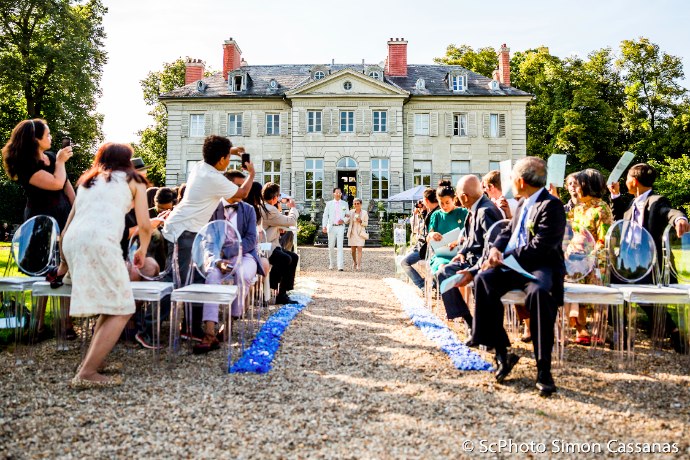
(638, 203)
(515, 240)
(205, 187)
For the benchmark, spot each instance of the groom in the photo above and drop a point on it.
(534, 239)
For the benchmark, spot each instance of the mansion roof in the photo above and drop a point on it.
(291, 77)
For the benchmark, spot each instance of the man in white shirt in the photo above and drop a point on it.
(492, 186)
(335, 216)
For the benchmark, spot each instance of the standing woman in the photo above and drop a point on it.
(358, 224)
(91, 245)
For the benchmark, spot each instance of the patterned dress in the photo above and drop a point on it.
(596, 217)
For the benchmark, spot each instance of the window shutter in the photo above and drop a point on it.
(285, 183)
(502, 125)
(472, 124)
(486, 124)
(247, 123)
(208, 119)
(184, 125)
(394, 185)
(284, 118)
(449, 124)
(299, 185)
(326, 124)
(328, 181)
(223, 125)
(409, 180)
(359, 121)
(335, 121)
(261, 124)
(392, 121)
(433, 124)
(364, 184)
(410, 124)
(368, 121)
(435, 178)
(302, 121)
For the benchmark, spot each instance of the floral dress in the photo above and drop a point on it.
(596, 217)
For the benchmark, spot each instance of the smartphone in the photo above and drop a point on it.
(245, 160)
(66, 142)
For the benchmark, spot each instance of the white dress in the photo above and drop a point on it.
(91, 245)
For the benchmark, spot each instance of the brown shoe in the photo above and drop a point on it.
(208, 343)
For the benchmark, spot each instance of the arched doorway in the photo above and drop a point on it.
(346, 175)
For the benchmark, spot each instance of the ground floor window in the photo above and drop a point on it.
(271, 171)
(313, 175)
(422, 173)
(380, 175)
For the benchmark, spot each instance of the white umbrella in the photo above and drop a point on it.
(413, 194)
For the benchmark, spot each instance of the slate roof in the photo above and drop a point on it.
(291, 76)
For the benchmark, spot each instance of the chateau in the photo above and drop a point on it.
(372, 129)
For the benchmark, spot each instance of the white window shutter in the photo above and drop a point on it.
(284, 118)
(472, 124)
(409, 180)
(449, 124)
(302, 121)
(359, 121)
(335, 121)
(299, 185)
(502, 125)
(261, 124)
(410, 124)
(435, 179)
(285, 183)
(223, 125)
(433, 124)
(326, 125)
(486, 124)
(392, 120)
(208, 120)
(247, 123)
(368, 121)
(394, 183)
(184, 126)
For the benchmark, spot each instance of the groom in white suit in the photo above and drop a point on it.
(335, 216)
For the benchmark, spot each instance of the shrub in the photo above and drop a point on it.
(306, 232)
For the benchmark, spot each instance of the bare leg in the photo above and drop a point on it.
(353, 250)
(108, 330)
(359, 258)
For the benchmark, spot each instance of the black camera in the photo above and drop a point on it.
(66, 142)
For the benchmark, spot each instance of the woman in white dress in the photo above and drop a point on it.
(91, 247)
(358, 220)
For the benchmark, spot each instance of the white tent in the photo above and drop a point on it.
(413, 194)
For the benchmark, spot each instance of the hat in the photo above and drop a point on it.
(139, 164)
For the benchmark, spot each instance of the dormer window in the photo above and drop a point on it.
(318, 75)
(374, 71)
(457, 82)
(375, 74)
(493, 85)
(237, 81)
(273, 84)
(421, 84)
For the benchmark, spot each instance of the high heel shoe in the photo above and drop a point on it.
(54, 279)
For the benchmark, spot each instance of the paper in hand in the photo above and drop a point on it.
(450, 282)
(506, 169)
(513, 264)
(620, 167)
(555, 170)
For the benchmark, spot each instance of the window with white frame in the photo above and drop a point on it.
(380, 121)
(421, 124)
(380, 175)
(313, 178)
(235, 165)
(272, 124)
(197, 125)
(458, 82)
(234, 124)
(458, 168)
(494, 165)
(493, 125)
(271, 171)
(314, 121)
(460, 124)
(190, 166)
(347, 121)
(422, 173)
(318, 75)
(375, 74)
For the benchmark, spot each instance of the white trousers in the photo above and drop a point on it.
(335, 232)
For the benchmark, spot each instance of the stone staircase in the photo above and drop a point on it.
(373, 228)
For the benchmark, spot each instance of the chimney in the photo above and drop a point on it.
(232, 57)
(504, 65)
(193, 70)
(396, 63)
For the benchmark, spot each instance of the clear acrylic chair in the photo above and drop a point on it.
(216, 254)
(33, 252)
(676, 274)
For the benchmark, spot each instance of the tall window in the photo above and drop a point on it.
(380, 121)
(458, 82)
(347, 121)
(379, 178)
(494, 165)
(493, 127)
(314, 121)
(272, 124)
(421, 124)
(313, 175)
(460, 124)
(422, 173)
(234, 124)
(197, 123)
(272, 171)
(235, 164)
(458, 169)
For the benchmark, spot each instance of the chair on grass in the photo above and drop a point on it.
(676, 274)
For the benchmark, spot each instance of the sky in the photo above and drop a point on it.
(144, 34)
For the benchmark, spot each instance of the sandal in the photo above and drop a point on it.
(79, 383)
(583, 340)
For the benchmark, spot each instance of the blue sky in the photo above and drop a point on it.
(143, 34)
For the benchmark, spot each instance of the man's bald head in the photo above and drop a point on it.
(471, 186)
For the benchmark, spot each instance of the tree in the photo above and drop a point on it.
(483, 61)
(153, 144)
(51, 62)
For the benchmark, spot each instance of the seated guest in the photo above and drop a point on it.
(164, 201)
(418, 252)
(482, 215)
(572, 184)
(242, 217)
(653, 212)
(449, 218)
(254, 200)
(534, 238)
(180, 192)
(283, 263)
(492, 186)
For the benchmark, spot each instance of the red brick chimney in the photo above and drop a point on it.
(194, 70)
(232, 57)
(504, 65)
(396, 63)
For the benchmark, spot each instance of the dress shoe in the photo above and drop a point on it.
(545, 384)
(471, 343)
(282, 299)
(505, 364)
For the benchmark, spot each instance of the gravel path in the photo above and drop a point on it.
(353, 379)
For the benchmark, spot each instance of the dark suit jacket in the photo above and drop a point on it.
(246, 226)
(485, 215)
(619, 206)
(544, 242)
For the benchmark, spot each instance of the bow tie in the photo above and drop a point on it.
(233, 206)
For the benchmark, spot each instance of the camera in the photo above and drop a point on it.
(66, 142)
(245, 160)
(419, 204)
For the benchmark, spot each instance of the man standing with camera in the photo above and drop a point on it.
(335, 216)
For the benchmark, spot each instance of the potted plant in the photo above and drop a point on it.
(312, 211)
(381, 208)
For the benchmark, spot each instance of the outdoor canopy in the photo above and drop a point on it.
(413, 194)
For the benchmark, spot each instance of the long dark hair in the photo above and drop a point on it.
(21, 151)
(254, 199)
(112, 157)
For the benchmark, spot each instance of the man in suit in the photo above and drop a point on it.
(653, 212)
(483, 214)
(335, 216)
(534, 238)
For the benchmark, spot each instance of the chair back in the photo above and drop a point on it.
(217, 246)
(493, 232)
(630, 252)
(35, 245)
(157, 266)
(676, 257)
(579, 250)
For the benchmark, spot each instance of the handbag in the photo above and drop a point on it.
(363, 233)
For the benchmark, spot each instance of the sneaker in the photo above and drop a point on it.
(145, 341)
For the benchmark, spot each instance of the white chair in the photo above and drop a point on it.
(676, 274)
